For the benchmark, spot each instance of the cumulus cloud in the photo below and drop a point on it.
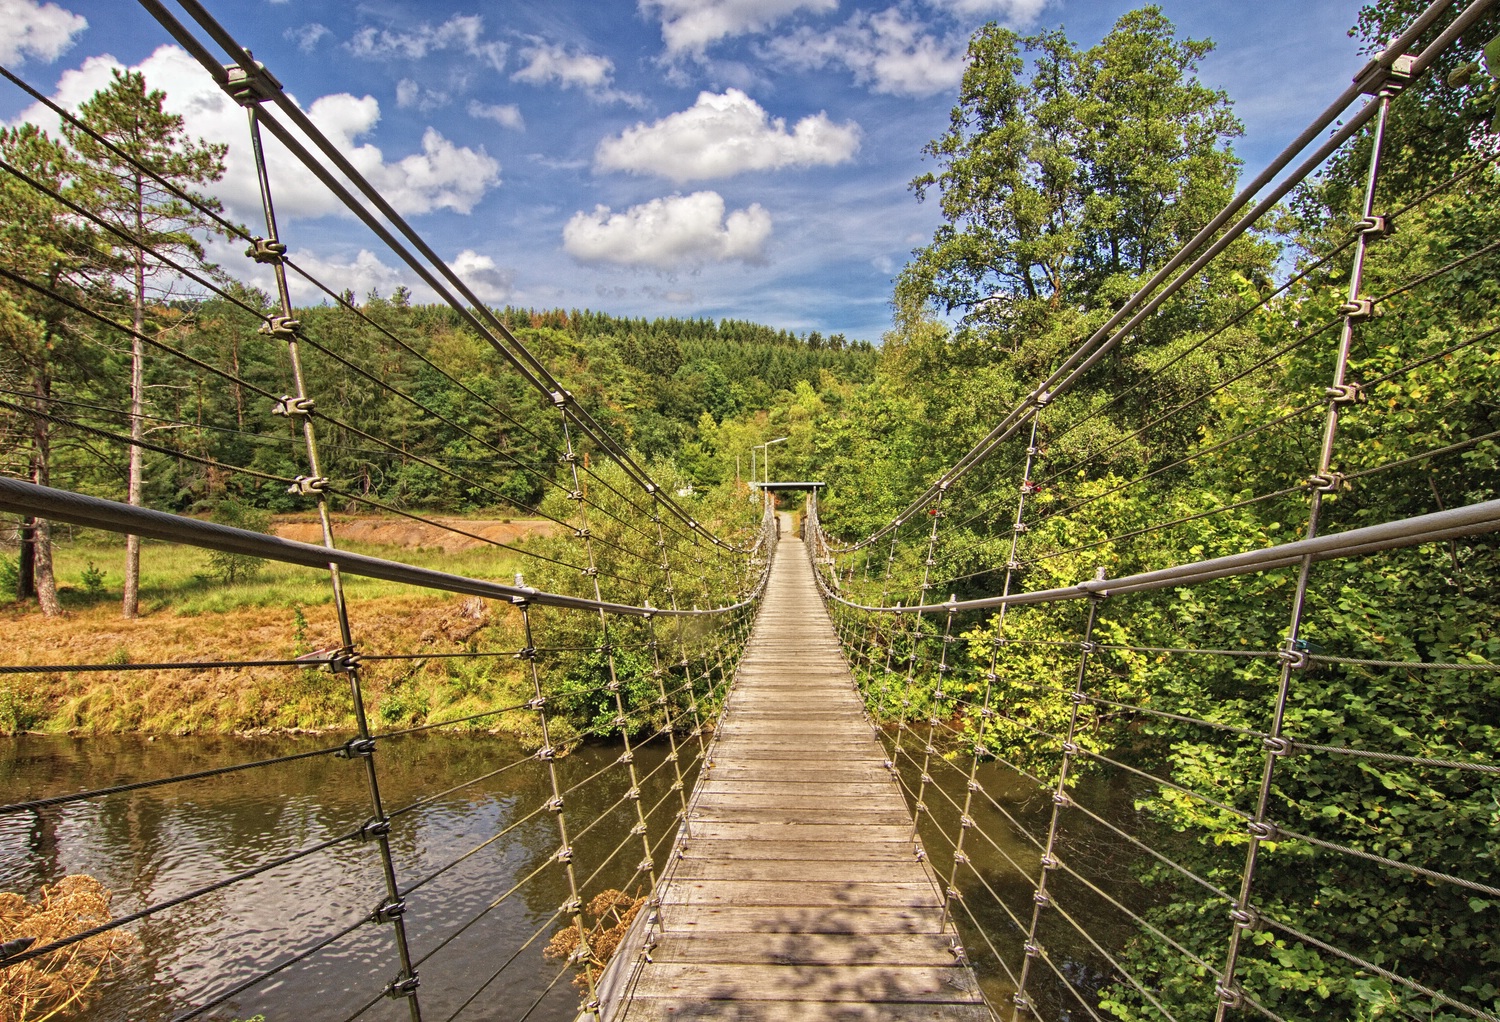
(462, 32)
(550, 63)
(491, 283)
(674, 233)
(307, 37)
(690, 26)
(412, 96)
(361, 275)
(885, 50)
(723, 135)
(44, 31)
(440, 176)
(507, 115)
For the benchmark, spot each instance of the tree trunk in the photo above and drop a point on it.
(41, 474)
(26, 560)
(130, 605)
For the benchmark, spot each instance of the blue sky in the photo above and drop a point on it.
(722, 158)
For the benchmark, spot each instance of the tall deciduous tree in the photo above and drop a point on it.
(147, 152)
(1074, 179)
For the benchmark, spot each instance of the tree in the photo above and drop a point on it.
(45, 245)
(147, 151)
(1075, 180)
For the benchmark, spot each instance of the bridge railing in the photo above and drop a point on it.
(1187, 665)
(620, 620)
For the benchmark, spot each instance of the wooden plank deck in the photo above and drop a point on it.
(797, 892)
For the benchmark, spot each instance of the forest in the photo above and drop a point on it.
(1066, 177)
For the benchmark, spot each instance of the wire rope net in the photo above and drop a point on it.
(1193, 673)
(518, 707)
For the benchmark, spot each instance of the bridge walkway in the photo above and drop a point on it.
(798, 891)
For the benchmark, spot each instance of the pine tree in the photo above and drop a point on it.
(148, 150)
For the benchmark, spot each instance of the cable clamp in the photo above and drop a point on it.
(564, 854)
(1326, 482)
(612, 685)
(1043, 398)
(959, 954)
(980, 751)
(657, 672)
(403, 986)
(1070, 748)
(1042, 898)
(250, 86)
(954, 894)
(1278, 745)
(921, 854)
(1376, 226)
(1028, 488)
(1229, 995)
(966, 821)
(308, 486)
(627, 758)
(284, 327)
(920, 808)
(645, 866)
(1032, 950)
(567, 458)
(1061, 799)
(290, 406)
(525, 653)
(1078, 698)
(960, 858)
(1022, 1001)
(589, 572)
(1358, 310)
(269, 252)
(373, 829)
(537, 703)
(638, 830)
(1262, 830)
(1014, 565)
(356, 747)
(633, 795)
(389, 911)
(582, 534)
(986, 712)
(1347, 394)
(1021, 527)
(554, 804)
(571, 907)
(576, 495)
(659, 701)
(344, 662)
(1294, 654)
(559, 397)
(890, 766)
(546, 754)
(1244, 918)
(1050, 861)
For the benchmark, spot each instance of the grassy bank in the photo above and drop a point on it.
(277, 612)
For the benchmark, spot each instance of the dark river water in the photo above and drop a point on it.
(150, 846)
(153, 845)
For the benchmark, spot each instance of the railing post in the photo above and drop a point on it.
(1060, 800)
(1324, 483)
(300, 406)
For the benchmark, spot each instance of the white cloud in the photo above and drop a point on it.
(307, 37)
(441, 176)
(677, 232)
(361, 275)
(1015, 13)
(462, 32)
(547, 63)
(485, 279)
(723, 135)
(44, 31)
(885, 50)
(692, 25)
(507, 115)
(411, 96)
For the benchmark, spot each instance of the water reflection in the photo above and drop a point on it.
(160, 843)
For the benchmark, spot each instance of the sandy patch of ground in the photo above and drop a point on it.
(403, 532)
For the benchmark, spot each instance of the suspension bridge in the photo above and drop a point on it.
(829, 792)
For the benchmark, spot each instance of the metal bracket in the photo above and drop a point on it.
(1243, 918)
(546, 754)
(290, 406)
(1358, 310)
(554, 804)
(404, 986)
(1261, 830)
(1330, 482)
(374, 829)
(272, 253)
(1347, 393)
(250, 86)
(308, 486)
(389, 911)
(356, 747)
(1229, 995)
(1375, 78)
(1278, 745)
(1376, 227)
(564, 854)
(284, 327)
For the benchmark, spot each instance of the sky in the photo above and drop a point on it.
(745, 159)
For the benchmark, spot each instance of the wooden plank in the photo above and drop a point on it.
(699, 846)
(806, 948)
(671, 1009)
(792, 919)
(871, 872)
(862, 983)
(799, 893)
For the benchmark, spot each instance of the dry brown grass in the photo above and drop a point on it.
(59, 984)
(248, 699)
(613, 912)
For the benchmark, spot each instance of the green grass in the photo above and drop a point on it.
(178, 578)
